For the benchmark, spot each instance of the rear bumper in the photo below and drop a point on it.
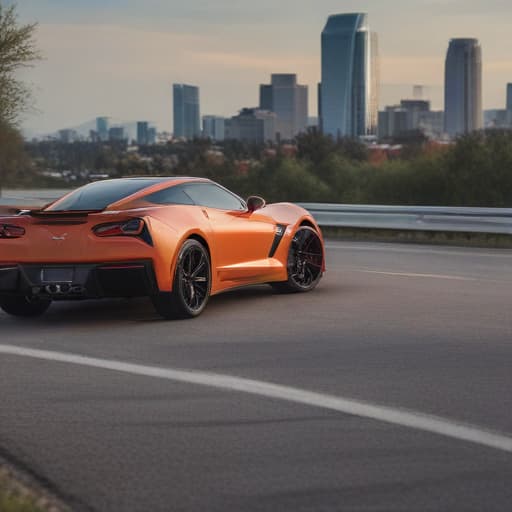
(82, 281)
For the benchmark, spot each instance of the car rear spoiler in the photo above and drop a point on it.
(56, 214)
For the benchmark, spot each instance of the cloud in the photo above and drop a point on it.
(123, 72)
(419, 70)
(120, 57)
(239, 61)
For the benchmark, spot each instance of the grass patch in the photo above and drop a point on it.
(17, 496)
(12, 501)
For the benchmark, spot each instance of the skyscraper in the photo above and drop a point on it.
(186, 111)
(463, 87)
(142, 133)
(289, 101)
(102, 128)
(350, 81)
(116, 133)
(509, 106)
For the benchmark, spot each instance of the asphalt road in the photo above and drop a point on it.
(422, 329)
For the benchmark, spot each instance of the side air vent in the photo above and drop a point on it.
(280, 231)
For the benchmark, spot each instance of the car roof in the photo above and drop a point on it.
(96, 197)
(160, 184)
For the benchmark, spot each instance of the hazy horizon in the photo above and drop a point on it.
(119, 58)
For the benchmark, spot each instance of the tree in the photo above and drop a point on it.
(17, 50)
(13, 158)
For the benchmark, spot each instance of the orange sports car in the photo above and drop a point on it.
(176, 240)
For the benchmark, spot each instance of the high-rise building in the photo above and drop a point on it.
(152, 135)
(393, 122)
(289, 101)
(116, 133)
(186, 111)
(496, 118)
(431, 123)
(68, 136)
(411, 116)
(463, 87)
(509, 96)
(415, 110)
(213, 127)
(509, 105)
(102, 128)
(252, 125)
(142, 133)
(350, 77)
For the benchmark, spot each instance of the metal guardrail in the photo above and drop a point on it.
(418, 218)
(12, 197)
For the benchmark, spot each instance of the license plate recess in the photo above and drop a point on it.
(57, 275)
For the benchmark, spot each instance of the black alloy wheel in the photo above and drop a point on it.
(305, 262)
(192, 284)
(24, 306)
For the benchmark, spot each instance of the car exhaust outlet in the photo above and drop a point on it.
(57, 289)
(65, 288)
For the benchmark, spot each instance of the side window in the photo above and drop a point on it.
(171, 195)
(213, 196)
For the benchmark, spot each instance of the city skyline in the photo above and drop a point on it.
(121, 59)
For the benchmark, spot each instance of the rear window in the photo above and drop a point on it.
(98, 195)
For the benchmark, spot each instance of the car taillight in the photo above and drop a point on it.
(133, 227)
(9, 231)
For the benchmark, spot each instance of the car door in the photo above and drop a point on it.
(242, 239)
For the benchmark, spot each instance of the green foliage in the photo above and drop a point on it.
(12, 501)
(474, 171)
(17, 50)
(288, 180)
(316, 147)
(13, 159)
(479, 170)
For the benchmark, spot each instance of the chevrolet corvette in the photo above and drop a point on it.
(176, 240)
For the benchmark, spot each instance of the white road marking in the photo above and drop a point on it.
(407, 274)
(404, 418)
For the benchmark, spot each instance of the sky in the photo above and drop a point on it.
(119, 58)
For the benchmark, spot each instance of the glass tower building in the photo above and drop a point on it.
(463, 87)
(102, 128)
(142, 133)
(348, 93)
(186, 111)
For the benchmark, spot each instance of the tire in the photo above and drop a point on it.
(305, 262)
(191, 285)
(24, 306)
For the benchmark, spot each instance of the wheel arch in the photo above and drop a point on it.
(191, 235)
(307, 222)
(310, 222)
(202, 240)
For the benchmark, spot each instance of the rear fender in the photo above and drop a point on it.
(174, 261)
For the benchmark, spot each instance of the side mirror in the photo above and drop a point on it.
(255, 203)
